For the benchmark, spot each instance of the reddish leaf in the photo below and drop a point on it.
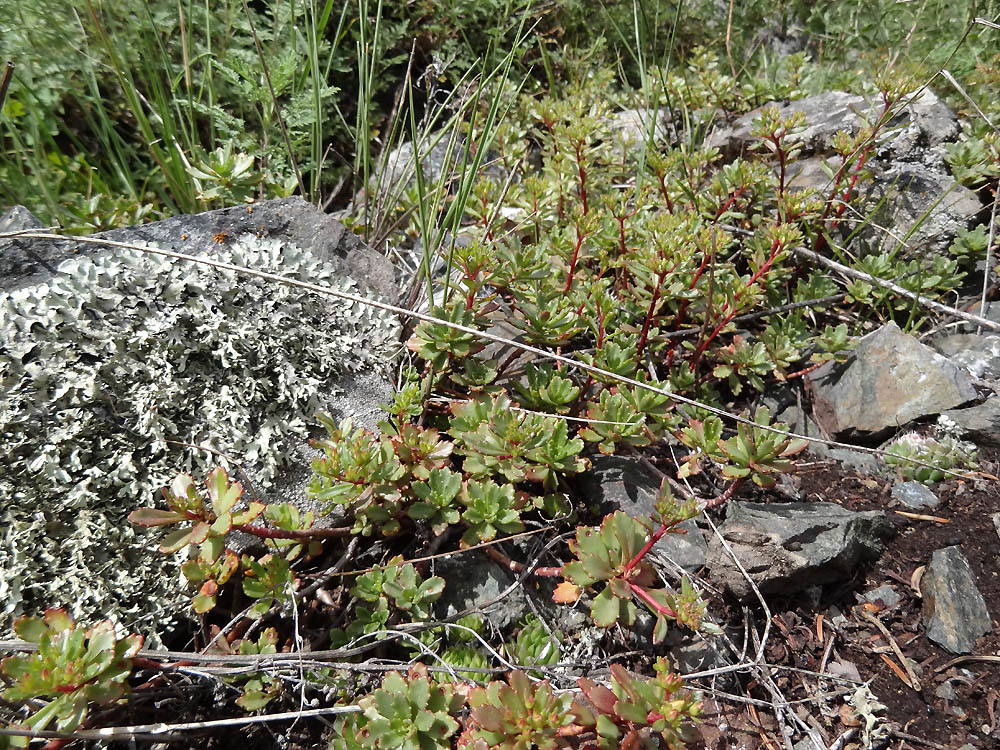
(566, 593)
(155, 517)
(602, 698)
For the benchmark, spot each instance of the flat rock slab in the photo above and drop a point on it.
(825, 114)
(789, 547)
(980, 423)
(915, 496)
(292, 220)
(922, 203)
(475, 583)
(925, 122)
(955, 613)
(890, 380)
(621, 483)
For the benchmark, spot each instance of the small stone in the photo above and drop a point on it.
(915, 495)
(946, 691)
(884, 592)
(846, 669)
(996, 522)
(955, 613)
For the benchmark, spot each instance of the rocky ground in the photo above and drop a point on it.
(859, 607)
(864, 627)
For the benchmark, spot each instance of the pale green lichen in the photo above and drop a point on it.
(115, 356)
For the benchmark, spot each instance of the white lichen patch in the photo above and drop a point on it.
(117, 355)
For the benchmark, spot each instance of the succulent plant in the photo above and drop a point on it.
(490, 508)
(357, 470)
(633, 703)
(72, 667)
(499, 439)
(463, 656)
(437, 503)
(204, 527)
(545, 389)
(393, 589)
(757, 453)
(534, 645)
(520, 714)
(945, 452)
(411, 712)
(603, 555)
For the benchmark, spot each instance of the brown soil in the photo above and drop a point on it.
(801, 630)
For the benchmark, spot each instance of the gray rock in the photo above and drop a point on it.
(996, 522)
(980, 423)
(472, 583)
(979, 354)
(863, 463)
(786, 548)
(825, 114)
(924, 123)
(922, 204)
(946, 691)
(811, 173)
(118, 402)
(886, 593)
(398, 172)
(631, 127)
(620, 483)
(890, 379)
(915, 495)
(291, 220)
(955, 613)
(698, 653)
(911, 192)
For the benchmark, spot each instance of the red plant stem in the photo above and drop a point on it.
(804, 371)
(517, 568)
(580, 237)
(820, 242)
(649, 313)
(621, 218)
(601, 323)
(715, 502)
(582, 171)
(850, 189)
(486, 219)
(776, 138)
(657, 535)
(509, 361)
(654, 605)
(139, 662)
(729, 203)
(776, 248)
(682, 312)
(663, 189)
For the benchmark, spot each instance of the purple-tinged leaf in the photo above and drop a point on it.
(155, 517)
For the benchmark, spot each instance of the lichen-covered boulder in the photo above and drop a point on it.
(112, 360)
